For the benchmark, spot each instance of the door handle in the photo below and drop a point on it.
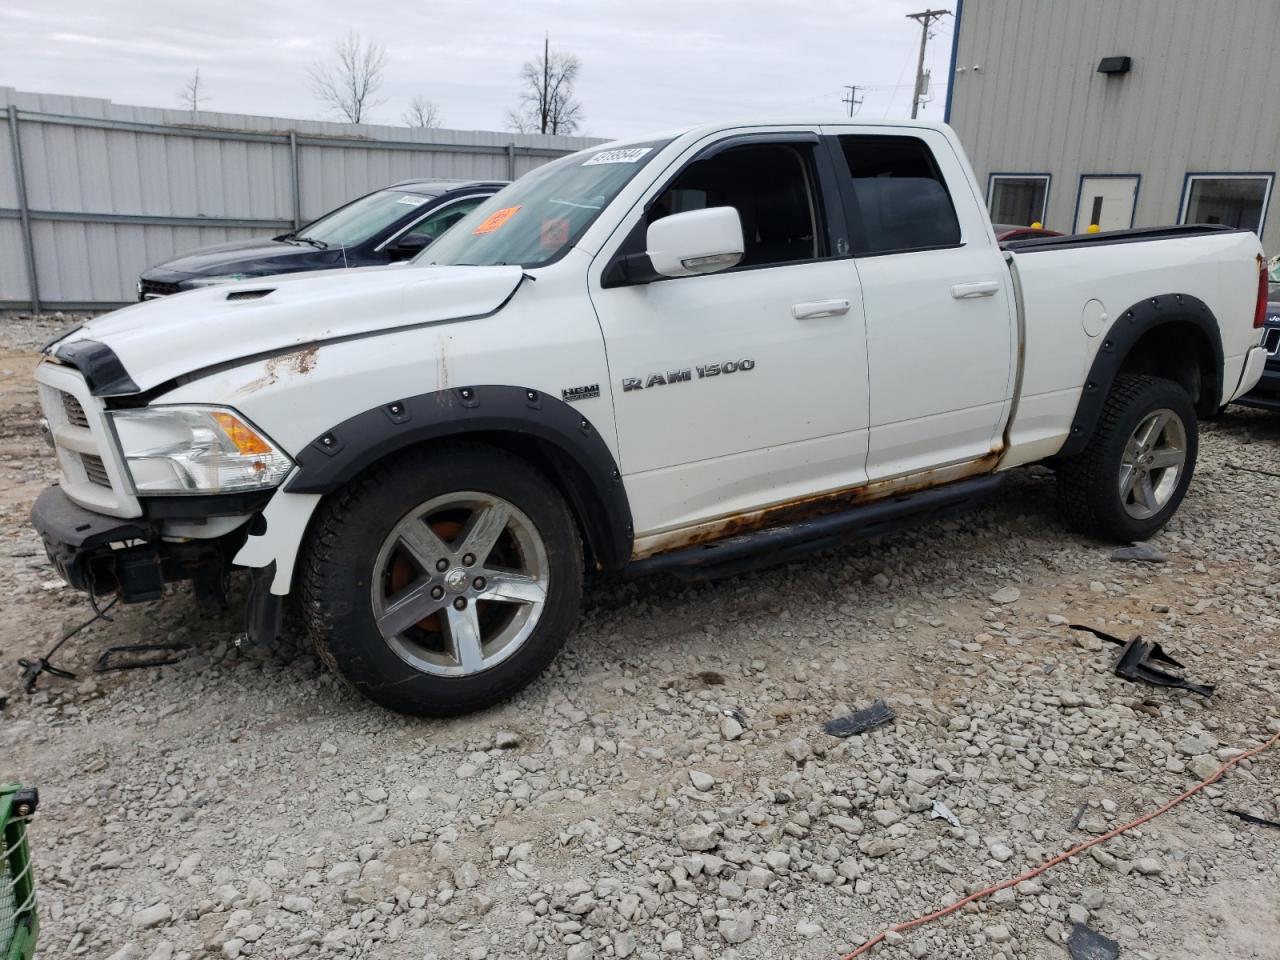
(978, 288)
(820, 308)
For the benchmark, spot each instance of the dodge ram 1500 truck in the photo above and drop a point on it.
(675, 353)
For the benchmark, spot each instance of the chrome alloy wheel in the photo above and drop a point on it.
(1152, 465)
(459, 583)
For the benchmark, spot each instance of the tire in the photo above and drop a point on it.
(411, 537)
(1090, 484)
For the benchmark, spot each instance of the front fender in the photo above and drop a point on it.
(565, 443)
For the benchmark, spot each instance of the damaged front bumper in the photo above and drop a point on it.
(132, 557)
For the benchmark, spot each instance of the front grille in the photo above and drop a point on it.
(1271, 341)
(75, 413)
(95, 469)
(149, 289)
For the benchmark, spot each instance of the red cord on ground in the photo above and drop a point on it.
(918, 921)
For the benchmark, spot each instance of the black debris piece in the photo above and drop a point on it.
(1134, 663)
(1087, 944)
(1157, 651)
(1075, 821)
(167, 653)
(1136, 658)
(1257, 821)
(31, 669)
(1138, 553)
(860, 720)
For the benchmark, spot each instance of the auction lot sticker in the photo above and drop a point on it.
(495, 220)
(624, 155)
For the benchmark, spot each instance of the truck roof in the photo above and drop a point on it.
(705, 129)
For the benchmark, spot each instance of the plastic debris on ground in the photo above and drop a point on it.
(1137, 658)
(1087, 944)
(941, 811)
(1256, 821)
(1138, 553)
(860, 720)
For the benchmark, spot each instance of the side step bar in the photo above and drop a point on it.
(781, 544)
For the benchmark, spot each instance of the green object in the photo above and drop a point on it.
(18, 920)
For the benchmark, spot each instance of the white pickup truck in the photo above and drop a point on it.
(681, 353)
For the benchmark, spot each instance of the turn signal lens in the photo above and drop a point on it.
(240, 434)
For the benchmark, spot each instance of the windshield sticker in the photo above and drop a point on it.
(412, 200)
(495, 220)
(555, 233)
(628, 155)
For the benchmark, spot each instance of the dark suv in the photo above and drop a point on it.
(385, 226)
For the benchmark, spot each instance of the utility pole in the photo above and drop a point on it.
(926, 18)
(852, 98)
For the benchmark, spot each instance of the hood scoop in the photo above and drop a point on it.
(249, 294)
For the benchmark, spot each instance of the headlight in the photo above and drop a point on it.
(192, 450)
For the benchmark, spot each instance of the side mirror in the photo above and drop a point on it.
(699, 241)
(409, 246)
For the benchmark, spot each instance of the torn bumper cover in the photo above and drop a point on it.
(100, 554)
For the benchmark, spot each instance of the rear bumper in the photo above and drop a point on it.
(1255, 363)
(1266, 394)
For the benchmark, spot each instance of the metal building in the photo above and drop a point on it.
(1121, 112)
(92, 192)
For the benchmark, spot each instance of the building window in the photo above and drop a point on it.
(1018, 201)
(1232, 199)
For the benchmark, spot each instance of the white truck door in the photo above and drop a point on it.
(745, 388)
(940, 326)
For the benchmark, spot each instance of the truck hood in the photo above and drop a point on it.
(158, 340)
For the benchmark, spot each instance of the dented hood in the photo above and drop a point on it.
(158, 340)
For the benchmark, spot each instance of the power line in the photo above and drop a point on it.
(925, 18)
(852, 98)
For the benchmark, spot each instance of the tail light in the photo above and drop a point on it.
(1260, 311)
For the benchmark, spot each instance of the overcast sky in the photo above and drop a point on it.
(646, 66)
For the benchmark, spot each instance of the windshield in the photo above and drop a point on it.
(540, 216)
(361, 219)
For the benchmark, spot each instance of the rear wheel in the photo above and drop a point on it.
(1133, 474)
(443, 583)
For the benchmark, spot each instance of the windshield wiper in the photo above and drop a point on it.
(318, 244)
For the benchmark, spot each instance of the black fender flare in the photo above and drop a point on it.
(1119, 340)
(568, 445)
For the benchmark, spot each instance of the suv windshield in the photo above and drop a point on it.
(540, 216)
(361, 219)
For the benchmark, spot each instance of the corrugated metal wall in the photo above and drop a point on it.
(112, 189)
(1203, 95)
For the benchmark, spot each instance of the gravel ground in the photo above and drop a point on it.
(239, 805)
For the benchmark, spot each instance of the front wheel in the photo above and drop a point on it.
(445, 582)
(1132, 475)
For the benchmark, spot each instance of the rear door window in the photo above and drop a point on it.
(897, 197)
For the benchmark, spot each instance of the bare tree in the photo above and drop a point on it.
(349, 82)
(421, 113)
(192, 93)
(546, 102)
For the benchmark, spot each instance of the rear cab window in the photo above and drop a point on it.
(896, 196)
